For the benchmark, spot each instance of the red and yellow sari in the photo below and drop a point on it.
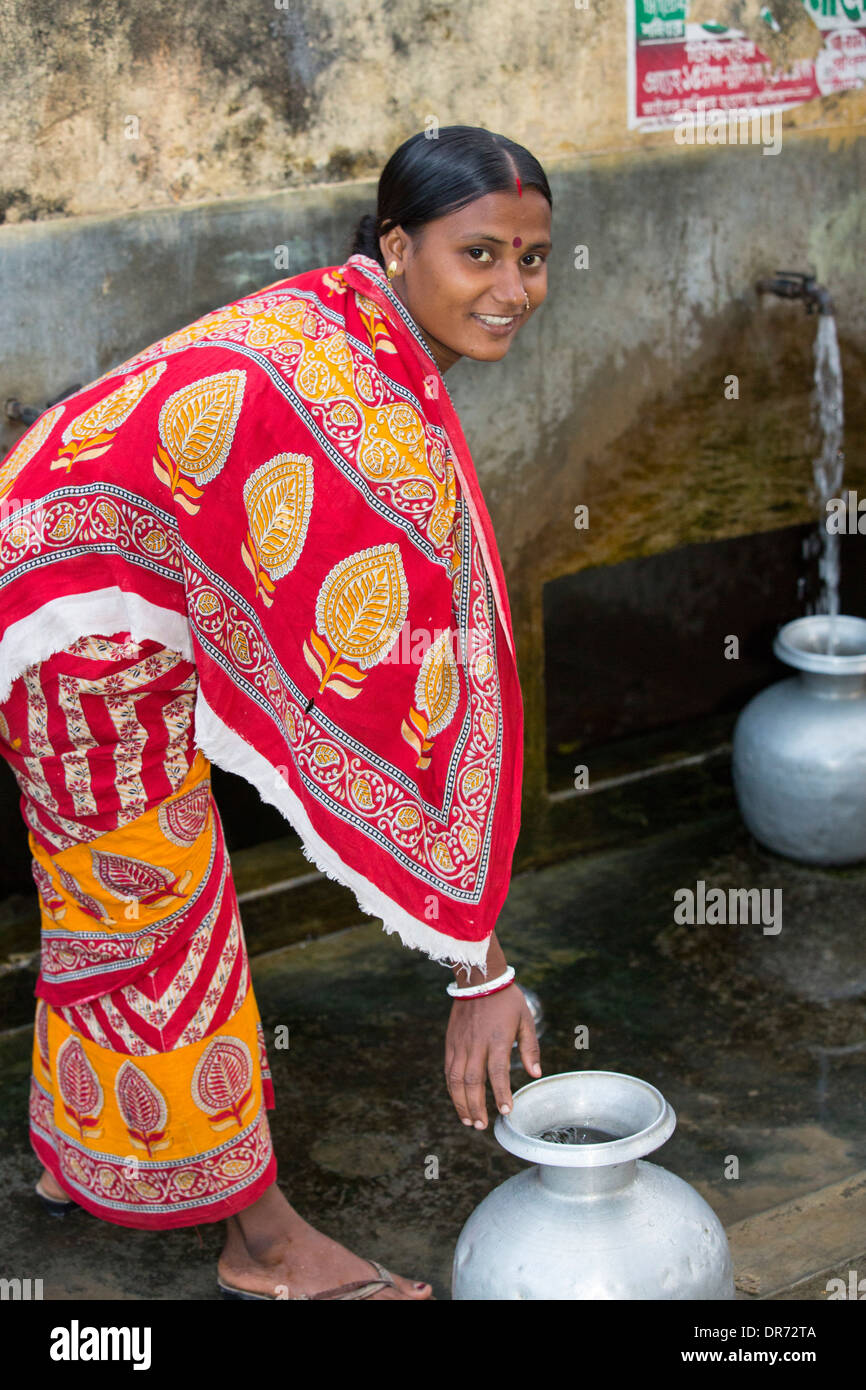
(281, 495)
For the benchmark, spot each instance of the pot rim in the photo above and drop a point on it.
(798, 643)
(623, 1150)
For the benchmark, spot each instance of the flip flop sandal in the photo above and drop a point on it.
(360, 1288)
(54, 1205)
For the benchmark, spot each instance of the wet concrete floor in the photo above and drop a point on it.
(757, 1039)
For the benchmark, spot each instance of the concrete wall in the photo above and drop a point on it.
(111, 106)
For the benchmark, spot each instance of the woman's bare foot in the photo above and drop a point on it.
(271, 1250)
(51, 1187)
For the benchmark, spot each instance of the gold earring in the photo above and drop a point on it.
(392, 270)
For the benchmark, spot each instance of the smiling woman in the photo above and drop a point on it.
(462, 227)
(221, 547)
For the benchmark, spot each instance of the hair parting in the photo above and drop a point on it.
(428, 178)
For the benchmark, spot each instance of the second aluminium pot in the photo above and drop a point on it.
(799, 747)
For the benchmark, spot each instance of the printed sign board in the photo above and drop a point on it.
(675, 66)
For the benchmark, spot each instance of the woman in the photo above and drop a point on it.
(260, 542)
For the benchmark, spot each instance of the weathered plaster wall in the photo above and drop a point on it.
(113, 106)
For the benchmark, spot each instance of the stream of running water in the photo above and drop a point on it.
(829, 466)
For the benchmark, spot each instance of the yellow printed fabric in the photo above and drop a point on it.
(156, 1140)
(150, 1084)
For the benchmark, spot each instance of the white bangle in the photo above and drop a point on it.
(472, 991)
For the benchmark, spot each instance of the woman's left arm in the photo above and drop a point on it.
(479, 1039)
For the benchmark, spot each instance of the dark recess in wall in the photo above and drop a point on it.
(638, 647)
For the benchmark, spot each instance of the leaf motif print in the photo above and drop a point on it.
(444, 510)
(278, 498)
(376, 325)
(42, 1035)
(197, 424)
(79, 1086)
(264, 1065)
(335, 283)
(51, 897)
(143, 1107)
(111, 412)
(92, 432)
(415, 734)
(125, 878)
(437, 694)
(184, 819)
(84, 900)
(437, 689)
(360, 609)
(222, 1081)
(28, 445)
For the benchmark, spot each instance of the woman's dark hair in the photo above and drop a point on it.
(429, 177)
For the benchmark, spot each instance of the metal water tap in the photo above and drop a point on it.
(27, 414)
(793, 284)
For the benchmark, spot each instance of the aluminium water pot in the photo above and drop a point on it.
(591, 1220)
(799, 747)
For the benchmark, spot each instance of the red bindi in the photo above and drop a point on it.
(517, 241)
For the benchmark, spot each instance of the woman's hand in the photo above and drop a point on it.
(478, 1044)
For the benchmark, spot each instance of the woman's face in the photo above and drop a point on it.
(471, 266)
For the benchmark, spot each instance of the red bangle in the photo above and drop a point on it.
(487, 993)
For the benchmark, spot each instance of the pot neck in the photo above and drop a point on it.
(829, 687)
(586, 1182)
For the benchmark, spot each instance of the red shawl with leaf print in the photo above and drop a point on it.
(282, 492)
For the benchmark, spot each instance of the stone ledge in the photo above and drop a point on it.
(799, 1240)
